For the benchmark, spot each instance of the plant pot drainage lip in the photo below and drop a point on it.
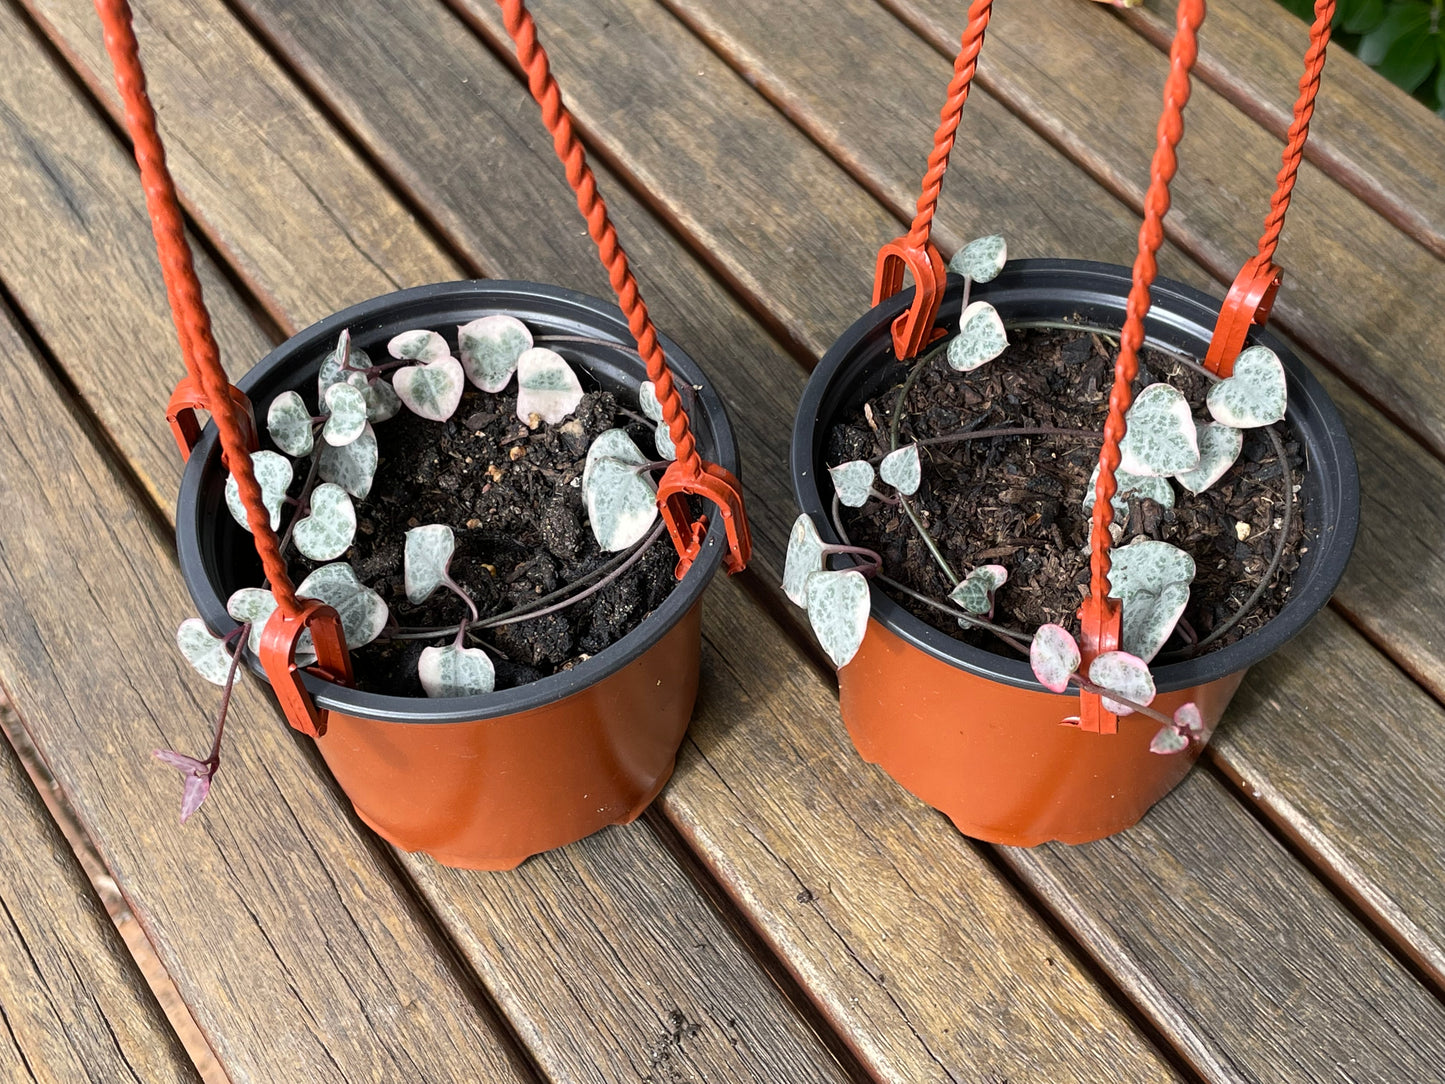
(1180, 315)
(439, 305)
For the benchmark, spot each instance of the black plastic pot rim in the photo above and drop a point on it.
(440, 306)
(1178, 313)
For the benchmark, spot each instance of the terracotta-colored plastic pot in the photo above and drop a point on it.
(484, 782)
(971, 732)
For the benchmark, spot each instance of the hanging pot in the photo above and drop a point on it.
(971, 732)
(483, 782)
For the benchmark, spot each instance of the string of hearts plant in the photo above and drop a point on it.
(339, 448)
(1151, 578)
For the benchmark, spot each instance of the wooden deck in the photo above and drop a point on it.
(784, 913)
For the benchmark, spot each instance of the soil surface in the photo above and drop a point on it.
(513, 498)
(1017, 501)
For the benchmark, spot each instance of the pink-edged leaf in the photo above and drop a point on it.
(432, 389)
(193, 794)
(179, 761)
(1187, 718)
(1054, 655)
(1169, 741)
(198, 775)
(1124, 674)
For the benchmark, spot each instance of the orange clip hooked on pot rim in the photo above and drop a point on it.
(913, 329)
(278, 658)
(186, 427)
(714, 484)
(1248, 303)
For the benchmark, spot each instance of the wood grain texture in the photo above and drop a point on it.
(285, 930)
(73, 1005)
(321, 248)
(1254, 968)
(482, 915)
(1357, 294)
(1368, 134)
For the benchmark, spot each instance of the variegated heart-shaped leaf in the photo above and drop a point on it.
(838, 604)
(1148, 486)
(382, 403)
(1160, 438)
(1168, 741)
(546, 386)
(805, 556)
(331, 371)
(1125, 675)
(1188, 719)
(1151, 579)
(327, 532)
(352, 466)
(456, 671)
(647, 399)
(1219, 447)
(362, 611)
(981, 337)
(489, 347)
(346, 407)
(431, 390)
(273, 474)
(1054, 655)
(621, 500)
(974, 592)
(852, 481)
(427, 556)
(420, 345)
(981, 259)
(256, 605)
(205, 652)
(1254, 395)
(289, 423)
(902, 470)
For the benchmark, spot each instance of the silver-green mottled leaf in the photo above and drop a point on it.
(428, 553)
(273, 474)
(326, 533)
(981, 259)
(838, 605)
(1126, 675)
(902, 470)
(1168, 741)
(362, 611)
(546, 386)
(352, 466)
(974, 592)
(1219, 447)
(256, 605)
(1054, 655)
(852, 481)
(1151, 579)
(1254, 395)
(205, 652)
(420, 345)
(431, 390)
(805, 556)
(289, 423)
(648, 401)
(346, 414)
(621, 501)
(489, 347)
(456, 671)
(1160, 438)
(331, 371)
(1148, 486)
(981, 337)
(651, 408)
(381, 401)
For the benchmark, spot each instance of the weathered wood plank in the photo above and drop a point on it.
(243, 904)
(1356, 293)
(1368, 134)
(1253, 966)
(322, 248)
(1010, 933)
(73, 1004)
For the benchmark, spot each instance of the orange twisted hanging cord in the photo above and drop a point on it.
(206, 384)
(688, 474)
(1252, 294)
(914, 252)
(1099, 617)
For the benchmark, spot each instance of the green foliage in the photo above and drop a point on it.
(1403, 40)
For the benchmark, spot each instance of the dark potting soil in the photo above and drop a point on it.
(513, 498)
(1017, 501)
